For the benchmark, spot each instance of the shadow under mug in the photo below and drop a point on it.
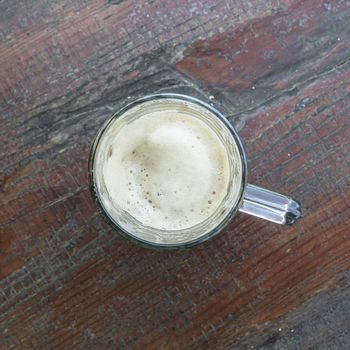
(245, 198)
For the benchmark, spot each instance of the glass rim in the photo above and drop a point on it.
(114, 224)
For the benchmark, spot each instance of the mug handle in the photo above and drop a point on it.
(270, 206)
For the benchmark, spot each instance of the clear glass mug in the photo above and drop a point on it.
(243, 197)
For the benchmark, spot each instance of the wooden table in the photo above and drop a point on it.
(280, 70)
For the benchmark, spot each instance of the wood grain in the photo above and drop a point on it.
(280, 70)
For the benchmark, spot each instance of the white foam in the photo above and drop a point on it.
(168, 170)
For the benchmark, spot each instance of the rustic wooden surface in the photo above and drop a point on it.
(280, 69)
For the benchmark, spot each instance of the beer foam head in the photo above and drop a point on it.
(166, 167)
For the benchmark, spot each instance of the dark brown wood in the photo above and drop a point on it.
(280, 70)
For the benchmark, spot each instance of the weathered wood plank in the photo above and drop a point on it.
(281, 72)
